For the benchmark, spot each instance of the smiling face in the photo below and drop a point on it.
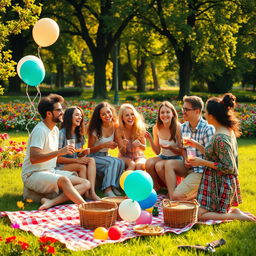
(165, 114)
(57, 113)
(188, 112)
(128, 117)
(106, 115)
(77, 117)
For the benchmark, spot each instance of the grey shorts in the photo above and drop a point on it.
(46, 181)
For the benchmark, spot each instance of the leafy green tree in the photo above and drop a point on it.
(16, 16)
(99, 24)
(198, 30)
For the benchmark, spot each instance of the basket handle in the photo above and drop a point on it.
(166, 202)
(195, 202)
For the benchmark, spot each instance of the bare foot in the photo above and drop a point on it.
(94, 196)
(242, 215)
(46, 204)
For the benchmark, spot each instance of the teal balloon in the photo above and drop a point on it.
(32, 72)
(149, 201)
(138, 185)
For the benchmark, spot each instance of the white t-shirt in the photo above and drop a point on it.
(47, 140)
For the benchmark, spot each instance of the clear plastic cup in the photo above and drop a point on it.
(191, 153)
(185, 136)
(72, 142)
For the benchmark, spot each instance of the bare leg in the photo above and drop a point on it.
(72, 190)
(150, 168)
(173, 167)
(160, 170)
(79, 168)
(129, 163)
(140, 163)
(91, 174)
(203, 214)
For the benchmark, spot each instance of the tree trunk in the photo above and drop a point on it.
(100, 88)
(59, 82)
(140, 75)
(77, 78)
(154, 76)
(17, 46)
(185, 68)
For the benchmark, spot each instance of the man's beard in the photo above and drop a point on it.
(57, 119)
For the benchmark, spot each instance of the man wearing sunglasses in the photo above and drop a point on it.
(200, 133)
(39, 175)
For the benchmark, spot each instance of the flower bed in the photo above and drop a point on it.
(12, 152)
(16, 115)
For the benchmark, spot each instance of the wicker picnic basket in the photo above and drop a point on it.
(118, 200)
(179, 214)
(97, 214)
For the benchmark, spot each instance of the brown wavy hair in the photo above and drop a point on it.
(222, 109)
(67, 123)
(174, 122)
(95, 123)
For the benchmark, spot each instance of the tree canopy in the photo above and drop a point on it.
(16, 16)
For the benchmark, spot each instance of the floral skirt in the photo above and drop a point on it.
(218, 191)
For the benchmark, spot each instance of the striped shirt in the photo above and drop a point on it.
(202, 134)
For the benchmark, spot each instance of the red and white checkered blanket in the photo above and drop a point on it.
(62, 223)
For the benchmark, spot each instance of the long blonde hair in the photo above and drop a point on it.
(139, 127)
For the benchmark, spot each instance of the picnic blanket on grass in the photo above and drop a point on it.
(62, 223)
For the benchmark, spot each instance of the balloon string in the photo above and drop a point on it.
(32, 106)
(38, 52)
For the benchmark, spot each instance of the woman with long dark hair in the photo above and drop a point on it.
(219, 188)
(73, 127)
(102, 137)
(166, 145)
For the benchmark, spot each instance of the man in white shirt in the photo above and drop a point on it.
(38, 171)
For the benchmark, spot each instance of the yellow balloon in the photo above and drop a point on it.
(123, 177)
(149, 210)
(45, 32)
(100, 233)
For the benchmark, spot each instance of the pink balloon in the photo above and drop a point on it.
(145, 218)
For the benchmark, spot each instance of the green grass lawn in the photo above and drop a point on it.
(240, 236)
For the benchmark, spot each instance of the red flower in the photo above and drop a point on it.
(51, 249)
(10, 239)
(46, 239)
(24, 245)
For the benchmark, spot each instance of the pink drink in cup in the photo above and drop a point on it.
(191, 153)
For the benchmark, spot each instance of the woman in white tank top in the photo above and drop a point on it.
(165, 143)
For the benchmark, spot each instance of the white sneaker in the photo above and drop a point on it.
(109, 194)
(116, 191)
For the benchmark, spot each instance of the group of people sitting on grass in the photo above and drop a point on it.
(60, 171)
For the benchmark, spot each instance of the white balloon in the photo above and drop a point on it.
(28, 57)
(129, 210)
(45, 32)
